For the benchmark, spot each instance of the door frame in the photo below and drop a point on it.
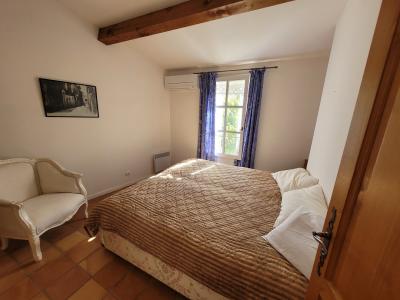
(369, 115)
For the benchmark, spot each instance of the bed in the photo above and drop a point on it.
(198, 228)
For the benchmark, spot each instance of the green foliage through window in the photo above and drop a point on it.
(228, 117)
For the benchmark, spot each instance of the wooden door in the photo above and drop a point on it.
(363, 260)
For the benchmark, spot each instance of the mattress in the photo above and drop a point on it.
(206, 220)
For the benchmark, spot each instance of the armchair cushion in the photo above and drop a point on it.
(53, 180)
(18, 182)
(49, 210)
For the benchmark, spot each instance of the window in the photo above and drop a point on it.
(231, 98)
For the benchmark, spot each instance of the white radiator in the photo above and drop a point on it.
(161, 162)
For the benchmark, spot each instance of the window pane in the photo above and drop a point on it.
(232, 142)
(219, 142)
(236, 93)
(219, 118)
(220, 93)
(234, 119)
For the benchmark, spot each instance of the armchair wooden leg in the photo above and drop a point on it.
(34, 242)
(86, 210)
(4, 243)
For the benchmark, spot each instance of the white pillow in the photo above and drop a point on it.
(312, 198)
(293, 239)
(294, 179)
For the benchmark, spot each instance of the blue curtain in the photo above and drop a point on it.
(206, 142)
(252, 118)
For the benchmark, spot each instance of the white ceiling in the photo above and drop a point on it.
(290, 29)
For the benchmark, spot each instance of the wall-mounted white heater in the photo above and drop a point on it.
(162, 161)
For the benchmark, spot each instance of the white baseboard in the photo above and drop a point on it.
(114, 188)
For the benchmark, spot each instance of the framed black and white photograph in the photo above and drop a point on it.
(69, 99)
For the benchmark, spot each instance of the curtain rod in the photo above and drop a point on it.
(246, 69)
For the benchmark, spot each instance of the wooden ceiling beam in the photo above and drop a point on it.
(185, 14)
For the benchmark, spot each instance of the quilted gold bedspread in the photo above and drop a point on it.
(207, 220)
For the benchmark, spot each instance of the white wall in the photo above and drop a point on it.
(349, 53)
(184, 124)
(42, 39)
(289, 110)
(288, 113)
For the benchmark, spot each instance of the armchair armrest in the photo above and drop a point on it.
(5, 203)
(14, 222)
(55, 179)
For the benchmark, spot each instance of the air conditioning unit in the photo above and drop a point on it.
(181, 82)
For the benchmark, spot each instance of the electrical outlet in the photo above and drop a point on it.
(127, 173)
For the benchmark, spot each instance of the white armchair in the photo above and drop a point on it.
(35, 196)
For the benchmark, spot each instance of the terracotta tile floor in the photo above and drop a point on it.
(74, 268)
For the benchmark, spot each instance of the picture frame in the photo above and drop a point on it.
(69, 99)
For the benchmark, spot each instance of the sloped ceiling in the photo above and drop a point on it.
(290, 29)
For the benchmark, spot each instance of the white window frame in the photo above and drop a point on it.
(227, 78)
